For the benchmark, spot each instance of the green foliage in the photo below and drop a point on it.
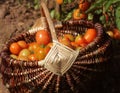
(97, 4)
(68, 1)
(107, 7)
(108, 11)
(117, 16)
(36, 4)
(31, 3)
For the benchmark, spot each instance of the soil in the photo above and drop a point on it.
(16, 18)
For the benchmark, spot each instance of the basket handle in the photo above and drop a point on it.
(49, 20)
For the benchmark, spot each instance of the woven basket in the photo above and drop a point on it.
(26, 76)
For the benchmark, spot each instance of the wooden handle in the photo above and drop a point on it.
(49, 20)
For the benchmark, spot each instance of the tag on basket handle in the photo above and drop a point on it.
(60, 58)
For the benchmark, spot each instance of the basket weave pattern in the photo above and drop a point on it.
(24, 76)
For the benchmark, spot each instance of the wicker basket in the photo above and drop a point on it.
(24, 76)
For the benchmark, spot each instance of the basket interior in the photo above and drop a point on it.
(67, 28)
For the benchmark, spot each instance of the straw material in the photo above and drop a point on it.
(25, 76)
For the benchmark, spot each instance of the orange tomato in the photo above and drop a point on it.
(33, 46)
(80, 40)
(90, 35)
(65, 41)
(50, 44)
(43, 37)
(77, 14)
(59, 1)
(47, 49)
(15, 48)
(40, 53)
(69, 36)
(32, 57)
(22, 44)
(74, 44)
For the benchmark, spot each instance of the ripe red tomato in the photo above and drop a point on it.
(43, 37)
(83, 6)
(80, 41)
(15, 48)
(116, 33)
(90, 35)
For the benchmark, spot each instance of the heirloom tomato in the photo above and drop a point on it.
(43, 37)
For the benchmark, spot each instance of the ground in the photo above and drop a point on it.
(16, 18)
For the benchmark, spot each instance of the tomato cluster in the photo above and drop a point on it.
(79, 41)
(39, 49)
(79, 13)
(32, 51)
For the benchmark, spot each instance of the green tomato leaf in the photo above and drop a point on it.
(107, 5)
(57, 15)
(98, 3)
(36, 7)
(117, 17)
(52, 13)
(69, 16)
(116, 1)
(98, 11)
(69, 1)
(117, 12)
(36, 2)
(90, 16)
(118, 25)
(102, 19)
